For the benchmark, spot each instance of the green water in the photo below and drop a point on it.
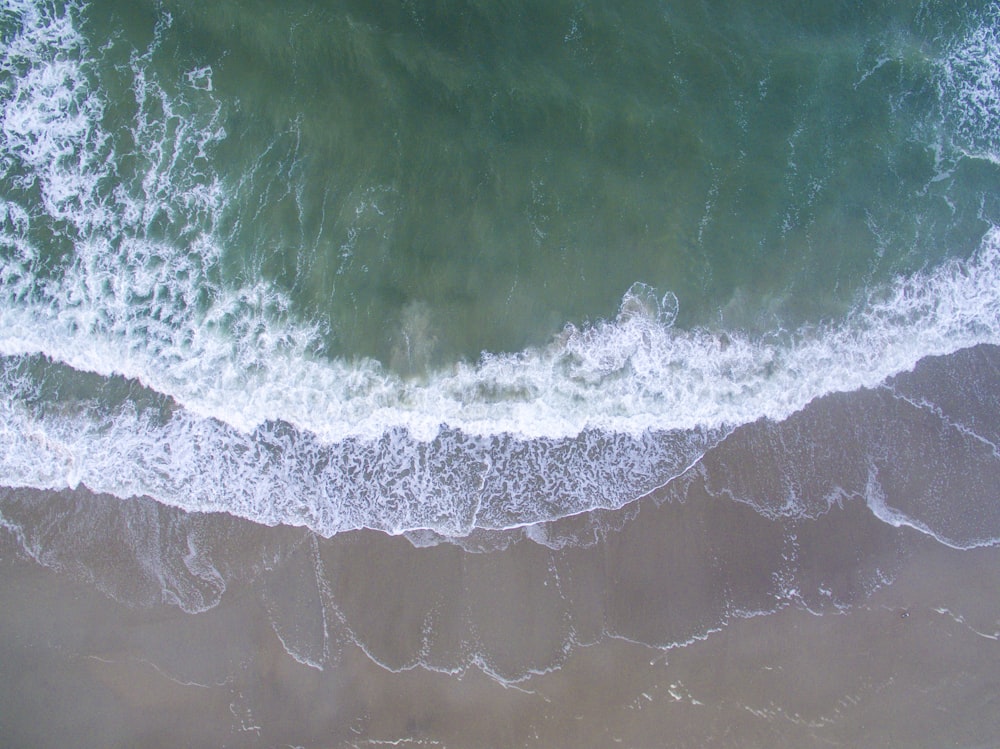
(429, 180)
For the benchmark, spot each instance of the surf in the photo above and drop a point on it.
(233, 404)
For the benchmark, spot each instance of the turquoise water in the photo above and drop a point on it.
(448, 265)
(475, 176)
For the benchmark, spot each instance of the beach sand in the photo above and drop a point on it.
(655, 634)
(771, 596)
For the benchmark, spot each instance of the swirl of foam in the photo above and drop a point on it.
(969, 88)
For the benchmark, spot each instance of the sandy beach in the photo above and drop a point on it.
(685, 621)
(720, 611)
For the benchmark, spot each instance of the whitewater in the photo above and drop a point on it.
(211, 396)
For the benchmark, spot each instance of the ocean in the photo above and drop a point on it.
(486, 274)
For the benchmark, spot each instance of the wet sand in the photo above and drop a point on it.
(767, 598)
(913, 663)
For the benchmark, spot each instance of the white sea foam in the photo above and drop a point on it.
(269, 430)
(969, 88)
(880, 508)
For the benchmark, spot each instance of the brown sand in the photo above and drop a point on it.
(756, 602)
(914, 663)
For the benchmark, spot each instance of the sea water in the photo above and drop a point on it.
(449, 266)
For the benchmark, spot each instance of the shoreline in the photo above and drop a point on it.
(764, 599)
